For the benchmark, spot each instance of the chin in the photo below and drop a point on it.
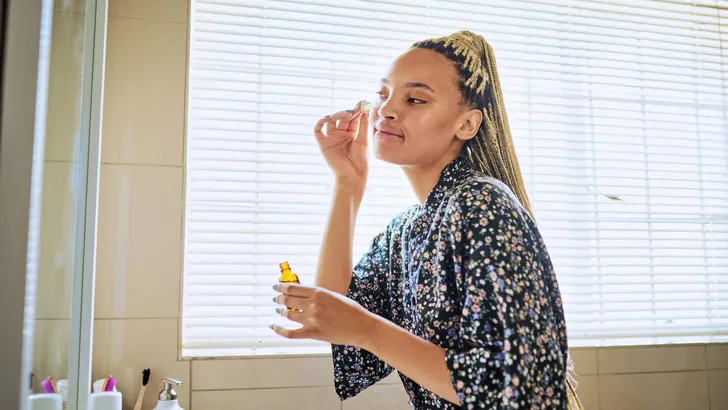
(396, 155)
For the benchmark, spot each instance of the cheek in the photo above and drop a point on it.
(432, 129)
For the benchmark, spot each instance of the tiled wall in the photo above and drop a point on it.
(140, 228)
(140, 206)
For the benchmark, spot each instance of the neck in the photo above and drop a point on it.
(424, 177)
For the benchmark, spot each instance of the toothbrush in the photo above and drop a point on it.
(109, 383)
(145, 379)
(48, 385)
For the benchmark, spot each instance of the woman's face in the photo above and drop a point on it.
(419, 118)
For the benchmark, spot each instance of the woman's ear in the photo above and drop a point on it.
(469, 123)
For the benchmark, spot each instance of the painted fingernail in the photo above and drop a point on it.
(271, 327)
(275, 299)
(275, 287)
(278, 310)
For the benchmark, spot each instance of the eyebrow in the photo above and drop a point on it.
(412, 85)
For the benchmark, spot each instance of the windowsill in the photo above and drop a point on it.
(313, 352)
(241, 354)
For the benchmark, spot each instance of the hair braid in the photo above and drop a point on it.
(491, 151)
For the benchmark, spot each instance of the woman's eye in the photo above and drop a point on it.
(382, 96)
(417, 101)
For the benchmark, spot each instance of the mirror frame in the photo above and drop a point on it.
(84, 272)
(26, 43)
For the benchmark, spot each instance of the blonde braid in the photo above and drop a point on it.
(491, 151)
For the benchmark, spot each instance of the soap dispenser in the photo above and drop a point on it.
(168, 397)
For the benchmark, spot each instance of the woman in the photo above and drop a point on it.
(458, 294)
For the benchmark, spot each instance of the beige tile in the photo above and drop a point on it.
(718, 381)
(391, 379)
(69, 6)
(379, 397)
(138, 268)
(663, 391)
(308, 398)
(164, 10)
(262, 373)
(144, 96)
(63, 120)
(585, 360)
(588, 392)
(123, 348)
(57, 241)
(718, 356)
(50, 350)
(615, 360)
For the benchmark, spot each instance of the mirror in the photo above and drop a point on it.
(60, 349)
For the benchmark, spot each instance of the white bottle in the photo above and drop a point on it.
(168, 397)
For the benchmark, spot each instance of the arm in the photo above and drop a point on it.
(335, 258)
(420, 360)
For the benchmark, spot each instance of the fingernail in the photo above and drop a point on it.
(271, 327)
(278, 310)
(275, 299)
(275, 287)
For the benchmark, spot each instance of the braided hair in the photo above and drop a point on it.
(491, 151)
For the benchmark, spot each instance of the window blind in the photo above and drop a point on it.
(618, 111)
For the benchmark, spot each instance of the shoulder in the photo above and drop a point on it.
(483, 196)
(394, 227)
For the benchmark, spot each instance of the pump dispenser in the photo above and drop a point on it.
(168, 397)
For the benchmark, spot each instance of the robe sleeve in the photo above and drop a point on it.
(356, 369)
(503, 282)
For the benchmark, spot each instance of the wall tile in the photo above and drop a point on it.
(588, 392)
(663, 391)
(718, 382)
(164, 10)
(123, 348)
(379, 397)
(651, 359)
(260, 373)
(138, 268)
(144, 100)
(309, 398)
(718, 356)
(585, 360)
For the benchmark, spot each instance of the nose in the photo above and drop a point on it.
(388, 110)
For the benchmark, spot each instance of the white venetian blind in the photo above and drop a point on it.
(618, 111)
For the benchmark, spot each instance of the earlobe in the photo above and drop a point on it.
(469, 125)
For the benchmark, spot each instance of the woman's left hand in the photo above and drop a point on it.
(325, 315)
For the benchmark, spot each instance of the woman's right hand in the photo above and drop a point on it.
(343, 140)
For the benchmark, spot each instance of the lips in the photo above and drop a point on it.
(387, 132)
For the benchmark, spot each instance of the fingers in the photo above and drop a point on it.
(318, 129)
(302, 333)
(343, 120)
(300, 291)
(292, 301)
(330, 126)
(363, 134)
(293, 315)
